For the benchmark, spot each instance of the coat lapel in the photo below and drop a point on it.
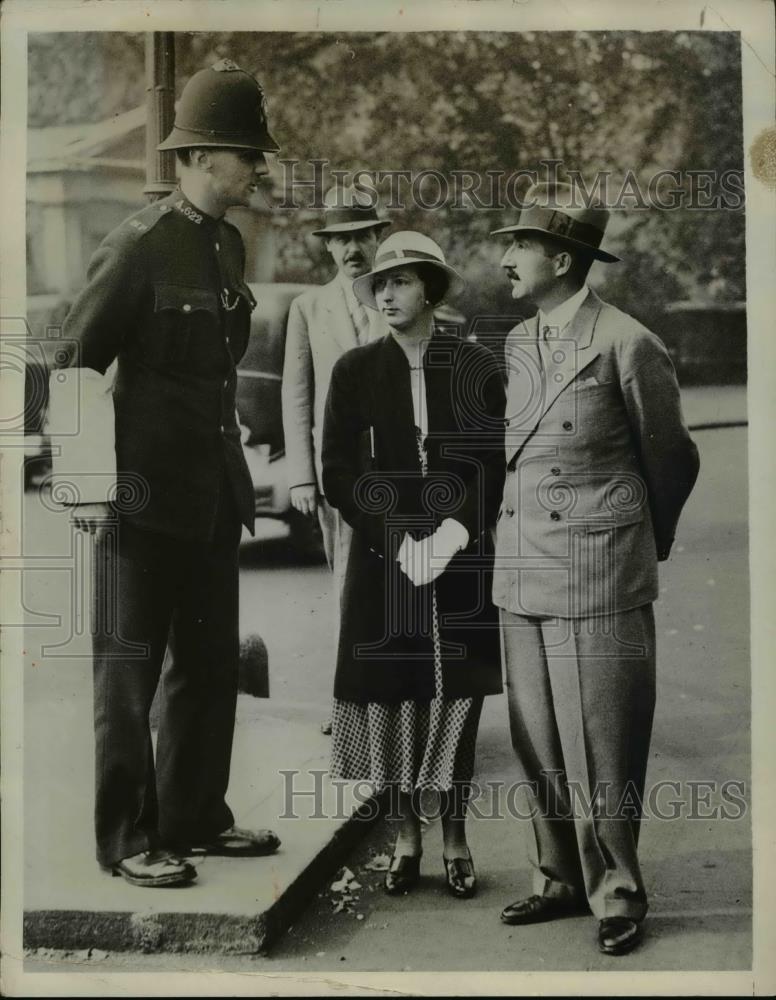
(524, 385)
(339, 324)
(533, 387)
(394, 409)
(439, 364)
(573, 353)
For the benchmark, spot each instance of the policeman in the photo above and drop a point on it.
(166, 298)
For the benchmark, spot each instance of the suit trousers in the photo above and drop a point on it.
(152, 590)
(337, 535)
(581, 696)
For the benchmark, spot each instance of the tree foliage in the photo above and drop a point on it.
(452, 101)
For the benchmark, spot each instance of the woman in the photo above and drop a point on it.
(413, 458)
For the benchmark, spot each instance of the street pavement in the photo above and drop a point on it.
(697, 870)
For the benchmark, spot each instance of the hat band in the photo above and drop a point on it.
(559, 224)
(402, 254)
(350, 213)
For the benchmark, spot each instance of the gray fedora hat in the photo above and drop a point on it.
(346, 209)
(550, 209)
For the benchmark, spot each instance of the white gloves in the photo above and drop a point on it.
(423, 560)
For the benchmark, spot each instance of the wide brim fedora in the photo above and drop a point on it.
(349, 225)
(596, 252)
(348, 208)
(399, 250)
(550, 210)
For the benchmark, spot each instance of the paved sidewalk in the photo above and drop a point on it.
(714, 405)
(236, 905)
(242, 905)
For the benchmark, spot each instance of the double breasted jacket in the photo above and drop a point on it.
(599, 465)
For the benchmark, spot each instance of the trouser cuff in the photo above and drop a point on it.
(544, 886)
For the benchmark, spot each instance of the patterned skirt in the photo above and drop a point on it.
(412, 746)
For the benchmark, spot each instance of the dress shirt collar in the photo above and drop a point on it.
(558, 319)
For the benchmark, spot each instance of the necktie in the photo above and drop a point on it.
(545, 347)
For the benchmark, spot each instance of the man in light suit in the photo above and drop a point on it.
(599, 465)
(323, 323)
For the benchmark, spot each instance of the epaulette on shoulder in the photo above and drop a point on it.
(142, 222)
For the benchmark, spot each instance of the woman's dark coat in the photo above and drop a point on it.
(372, 474)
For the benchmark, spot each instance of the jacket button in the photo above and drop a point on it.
(554, 515)
(509, 511)
(567, 425)
(187, 308)
(555, 470)
(218, 246)
(226, 383)
(506, 422)
(222, 431)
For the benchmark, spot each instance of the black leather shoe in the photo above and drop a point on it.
(155, 869)
(402, 875)
(461, 880)
(537, 909)
(237, 842)
(618, 935)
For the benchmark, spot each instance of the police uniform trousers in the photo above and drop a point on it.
(158, 589)
(581, 696)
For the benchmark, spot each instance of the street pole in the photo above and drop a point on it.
(160, 112)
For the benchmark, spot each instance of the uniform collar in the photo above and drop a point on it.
(560, 317)
(178, 202)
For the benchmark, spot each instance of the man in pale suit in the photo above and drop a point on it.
(323, 323)
(599, 465)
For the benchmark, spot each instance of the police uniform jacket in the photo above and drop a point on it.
(166, 296)
(599, 465)
(372, 473)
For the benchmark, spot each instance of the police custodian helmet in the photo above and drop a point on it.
(221, 106)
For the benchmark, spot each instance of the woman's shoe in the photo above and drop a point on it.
(461, 880)
(402, 875)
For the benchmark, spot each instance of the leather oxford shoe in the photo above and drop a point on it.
(155, 869)
(618, 935)
(537, 909)
(237, 842)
